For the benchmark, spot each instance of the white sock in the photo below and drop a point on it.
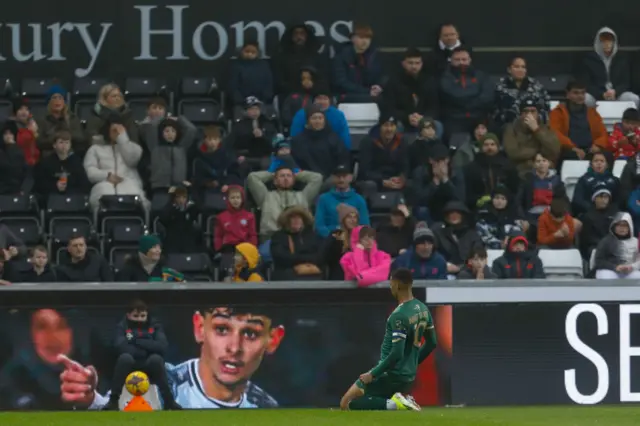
(391, 405)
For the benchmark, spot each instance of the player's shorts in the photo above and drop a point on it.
(385, 386)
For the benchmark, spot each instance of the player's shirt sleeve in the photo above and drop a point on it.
(397, 332)
(430, 340)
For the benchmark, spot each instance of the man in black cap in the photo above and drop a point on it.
(384, 159)
(251, 135)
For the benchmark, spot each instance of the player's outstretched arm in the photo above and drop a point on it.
(430, 343)
(395, 355)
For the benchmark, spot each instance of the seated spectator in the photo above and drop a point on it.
(302, 95)
(179, 219)
(617, 254)
(435, 184)
(413, 95)
(60, 117)
(476, 267)
(39, 272)
(111, 164)
(490, 168)
(466, 93)
(624, 141)
(384, 162)
(110, 104)
(273, 202)
(339, 241)
(579, 127)
(538, 189)
(295, 248)
(456, 236)
(327, 214)
(420, 149)
(598, 176)
(527, 136)
(357, 69)
(216, 165)
(62, 172)
(281, 154)
(466, 153)
(421, 258)
(318, 148)
(250, 76)
(336, 118)
(514, 89)
(447, 39)
(12, 163)
(557, 229)
(169, 140)
(596, 221)
(252, 135)
(147, 265)
(246, 264)
(607, 71)
(396, 236)
(518, 261)
(27, 131)
(83, 266)
(365, 264)
(498, 219)
(299, 47)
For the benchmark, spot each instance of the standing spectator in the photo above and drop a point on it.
(365, 264)
(83, 266)
(318, 148)
(607, 71)
(302, 95)
(274, 202)
(396, 236)
(598, 176)
(466, 93)
(336, 118)
(513, 90)
(596, 221)
(413, 95)
(12, 163)
(251, 136)
(111, 164)
(27, 131)
(578, 126)
(456, 236)
(617, 253)
(527, 136)
(420, 149)
(557, 229)
(490, 168)
(147, 265)
(466, 153)
(518, 261)
(215, 165)
(624, 141)
(250, 76)
(384, 162)
(327, 214)
(498, 219)
(476, 267)
(339, 241)
(295, 247)
(60, 117)
(422, 259)
(357, 69)
(538, 189)
(40, 271)
(179, 220)
(62, 172)
(447, 40)
(299, 48)
(246, 262)
(110, 104)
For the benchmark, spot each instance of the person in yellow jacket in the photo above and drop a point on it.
(247, 260)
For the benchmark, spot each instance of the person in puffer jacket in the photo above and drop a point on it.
(518, 261)
(617, 254)
(365, 264)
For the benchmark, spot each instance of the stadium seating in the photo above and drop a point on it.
(611, 111)
(492, 255)
(562, 263)
(361, 117)
(572, 171)
(618, 167)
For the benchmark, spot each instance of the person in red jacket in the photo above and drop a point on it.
(624, 141)
(233, 226)
(27, 131)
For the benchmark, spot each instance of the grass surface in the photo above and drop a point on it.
(513, 416)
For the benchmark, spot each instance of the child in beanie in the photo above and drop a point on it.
(246, 263)
(282, 154)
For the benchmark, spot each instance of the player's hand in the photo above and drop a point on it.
(366, 378)
(77, 383)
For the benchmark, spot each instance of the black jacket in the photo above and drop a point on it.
(182, 233)
(332, 251)
(93, 268)
(406, 94)
(595, 226)
(486, 173)
(379, 161)
(219, 166)
(243, 142)
(434, 197)
(420, 152)
(140, 339)
(306, 247)
(518, 265)
(594, 73)
(133, 271)
(319, 151)
(355, 73)
(49, 170)
(588, 184)
(250, 78)
(467, 274)
(14, 169)
(392, 239)
(456, 242)
(14, 274)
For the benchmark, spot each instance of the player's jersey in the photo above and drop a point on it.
(408, 322)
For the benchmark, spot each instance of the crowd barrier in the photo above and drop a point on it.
(500, 342)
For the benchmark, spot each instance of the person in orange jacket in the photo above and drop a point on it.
(247, 260)
(579, 128)
(556, 227)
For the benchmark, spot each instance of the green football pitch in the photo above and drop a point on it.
(513, 416)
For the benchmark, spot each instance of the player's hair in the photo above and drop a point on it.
(239, 310)
(137, 305)
(403, 276)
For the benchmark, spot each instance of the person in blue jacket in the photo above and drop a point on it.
(422, 259)
(327, 220)
(282, 155)
(336, 119)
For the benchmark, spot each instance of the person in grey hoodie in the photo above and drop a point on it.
(617, 254)
(606, 71)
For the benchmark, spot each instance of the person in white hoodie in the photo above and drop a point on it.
(111, 164)
(617, 254)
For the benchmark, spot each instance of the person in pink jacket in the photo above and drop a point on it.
(365, 264)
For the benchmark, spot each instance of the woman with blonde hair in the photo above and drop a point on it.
(59, 117)
(111, 103)
(339, 241)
